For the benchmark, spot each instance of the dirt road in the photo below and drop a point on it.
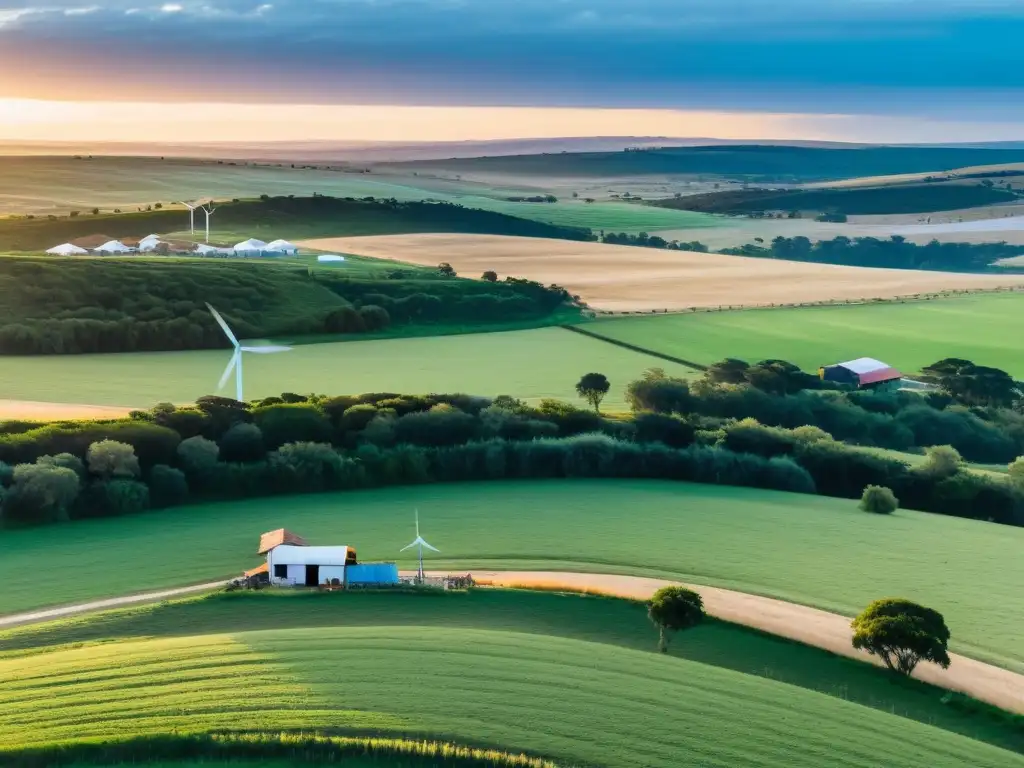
(821, 629)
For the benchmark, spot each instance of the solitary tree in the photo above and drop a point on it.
(490, 276)
(902, 634)
(446, 269)
(673, 609)
(593, 387)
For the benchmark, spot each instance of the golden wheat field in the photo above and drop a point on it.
(625, 278)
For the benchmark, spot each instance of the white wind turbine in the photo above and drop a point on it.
(235, 363)
(191, 217)
(208, 210)
(420, 543)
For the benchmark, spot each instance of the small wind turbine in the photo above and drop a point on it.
(208, 210)
(191, 217)
(235, 363)
(419, 543)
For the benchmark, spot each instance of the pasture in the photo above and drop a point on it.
(617, 627)
(628, 278)
(530, 364)
(805, 549)
(516, 671)
(907, 335)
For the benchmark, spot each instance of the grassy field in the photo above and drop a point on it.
(907, 335)
(518, 671)
(479, 364)
(626, 278)
(807, 549)
(611, 622)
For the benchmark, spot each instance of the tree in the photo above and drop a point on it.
(674, 609)
(593, 387)
(879, 499)
(446, 269)
(198, 454)
(490, 276)
(902, 634)
(41, 493)
(972, 384)
(167, 486)
(1015, 470)
(374, 318)
(109, 459)
(728, 371)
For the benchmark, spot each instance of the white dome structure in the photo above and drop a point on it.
(113, 246)
(66, 249)
(252, 245)
(281, 246)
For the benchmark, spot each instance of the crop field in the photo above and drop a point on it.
(532, 364)
(628, 278)
(906, 335)
(522, 672)
(805, 549)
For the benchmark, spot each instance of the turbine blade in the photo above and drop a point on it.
(432, 549)
(408, 547)
(222, 324)
(417, 523)
(268, 350)
(227, 371)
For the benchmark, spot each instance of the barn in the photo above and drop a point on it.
(863, 373)
(291, 561)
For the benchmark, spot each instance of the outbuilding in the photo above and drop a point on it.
(281, 246)
(863, 373)
(250, 247)
(66, 249)
(113, 246)
(291, 561)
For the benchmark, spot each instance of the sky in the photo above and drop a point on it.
(402, 70)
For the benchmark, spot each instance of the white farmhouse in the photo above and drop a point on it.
(291, 562)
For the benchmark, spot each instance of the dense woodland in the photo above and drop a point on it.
(766, 425)
(903, 198)
(70, 305)
(288, 217)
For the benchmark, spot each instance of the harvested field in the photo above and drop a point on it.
(32, 410)
(626, 278)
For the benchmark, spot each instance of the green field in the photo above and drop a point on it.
(533, 364)
(805, 549)
(570, 678)
(908, 335)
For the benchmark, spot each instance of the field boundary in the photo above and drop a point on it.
(635, 348)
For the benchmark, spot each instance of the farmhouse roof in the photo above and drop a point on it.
(272, 539)
(265, 568)
(298, 555)
(871, 371)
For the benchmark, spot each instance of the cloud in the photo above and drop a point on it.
(171, 8)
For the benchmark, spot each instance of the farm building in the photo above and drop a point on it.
(66, 249)
(291, 561)
(864, 373)
(281, 246)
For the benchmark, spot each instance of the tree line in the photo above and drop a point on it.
(71, 306)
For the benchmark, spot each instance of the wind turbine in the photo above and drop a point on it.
(208, 210)
(235, 363)
(419, 543)
(191, 217)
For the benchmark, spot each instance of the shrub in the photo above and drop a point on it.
(311, 467)
(198, 454)
(442, 425)
(167, 486)
(110, 459)
(40, 494)
(243, 442)
(880, 500)
(358, 417)
(943, 461)
(114, 498)
(374, 318)
(292, 423)
(65, 460)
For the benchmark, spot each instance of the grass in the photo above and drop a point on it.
(574, 679)
(907, 335)
(480, 364)
(618, 217)
(805, 549)
(995, 471)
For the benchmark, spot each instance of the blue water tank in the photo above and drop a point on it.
(371, 573)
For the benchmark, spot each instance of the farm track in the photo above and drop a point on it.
(821, 629)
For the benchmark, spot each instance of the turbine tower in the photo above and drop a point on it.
(191, 217)
(419, 543)
(208, 210)
(235, 363)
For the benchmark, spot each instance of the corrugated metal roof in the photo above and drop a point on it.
(864, 365)
(272, 539)
(290, 555)
(874, 377)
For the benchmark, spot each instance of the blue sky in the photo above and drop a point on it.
(942, 59)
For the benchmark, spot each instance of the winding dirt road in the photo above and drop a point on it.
(821, 629)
